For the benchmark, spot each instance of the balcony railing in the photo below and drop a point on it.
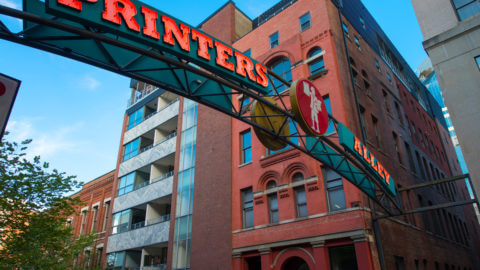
(158, 219)
(146, 183)
(146, 148)
(143, 93)
(155, 112)
(127, 227)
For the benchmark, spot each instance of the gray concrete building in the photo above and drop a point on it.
(451, 32)
(140, 224)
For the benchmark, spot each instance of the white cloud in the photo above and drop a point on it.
(89, 82)
(46, 143)
(10, 4)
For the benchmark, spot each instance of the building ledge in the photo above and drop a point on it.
(461, 28)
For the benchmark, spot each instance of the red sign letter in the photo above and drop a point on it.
(223, 52)
(245, 66)
(150, 28)
(75, 4)
(204, 42)
(127, 9)
(262, 77)
(171, 27)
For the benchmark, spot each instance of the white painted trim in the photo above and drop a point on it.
(97, 204)
(107, 200)
(84, 209)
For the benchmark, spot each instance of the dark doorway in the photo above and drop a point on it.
(254, 263)
(343, 258)
(295, 263)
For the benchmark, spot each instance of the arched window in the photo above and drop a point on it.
(300, 196)
(272, 203)
(271, 184)
(316, 65)
(297, 177)
(280, 66)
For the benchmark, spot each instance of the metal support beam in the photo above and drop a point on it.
(436, 182)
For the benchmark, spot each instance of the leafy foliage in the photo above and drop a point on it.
(33, 212)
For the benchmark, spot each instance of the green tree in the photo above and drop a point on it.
(33, 212)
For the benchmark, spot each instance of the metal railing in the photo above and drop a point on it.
(146, 148)
(159, 219)
(142, 94)
(147, 183)
(127, 227)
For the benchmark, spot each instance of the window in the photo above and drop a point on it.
(362, 121)
(274, 40)
(357, 42)
(420, 166)
(334, 188)
(399, 263)
(293, 138)
(331, 125)
(362, 22)
(477, 59)
(397, 147)
(105, 220)
(345, 28)
(301, 201)
(414, 132)
(315, 65)
(246, 145)
(466, 8)
(135, 118)
(247, 207)
(94, 222)
(410, 158)
(385, 101)
(342, 257)
(377, 64)
(375, 129)
(84, 219)
(121, 221)
(305, 22)
(282, 67)
(389, 77)
(272, 203)
(300, 196)
(125, 185)
(399, 114)
(248, 52)
(131, 149)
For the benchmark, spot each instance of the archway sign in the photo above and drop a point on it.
(136, 40)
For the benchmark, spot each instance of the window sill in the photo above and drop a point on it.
(318, 75)
(279, 157)
(244, 164)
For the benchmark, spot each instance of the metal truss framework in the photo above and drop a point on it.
(58, 36)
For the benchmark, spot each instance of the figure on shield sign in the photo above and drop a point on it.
(315, 105)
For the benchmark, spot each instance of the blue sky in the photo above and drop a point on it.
(74, 112)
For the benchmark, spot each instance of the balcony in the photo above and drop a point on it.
(149, 155)
(164, 117)
(140, 235)
(156, 188)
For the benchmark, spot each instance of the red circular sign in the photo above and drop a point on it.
(2, 89)
(309, 107)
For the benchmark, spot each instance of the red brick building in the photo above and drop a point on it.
(92, 217)
(288, 212)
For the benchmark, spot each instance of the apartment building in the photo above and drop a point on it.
(93, 217)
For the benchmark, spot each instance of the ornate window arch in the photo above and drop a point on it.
(282, 66)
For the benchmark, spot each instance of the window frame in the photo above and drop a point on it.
(243, 148)
(244, 192)
(315, 56)
(286, 73)
(309, 21)
(131, 153)
(274, 42)
(326, 180)
(463, 6)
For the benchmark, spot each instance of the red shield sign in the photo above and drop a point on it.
(309, 108)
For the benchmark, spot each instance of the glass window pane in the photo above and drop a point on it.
(478, 64)
(119, 257)
(461, 3)
(469, 10)
(249, 218)
(305, 22)
(337, 199)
